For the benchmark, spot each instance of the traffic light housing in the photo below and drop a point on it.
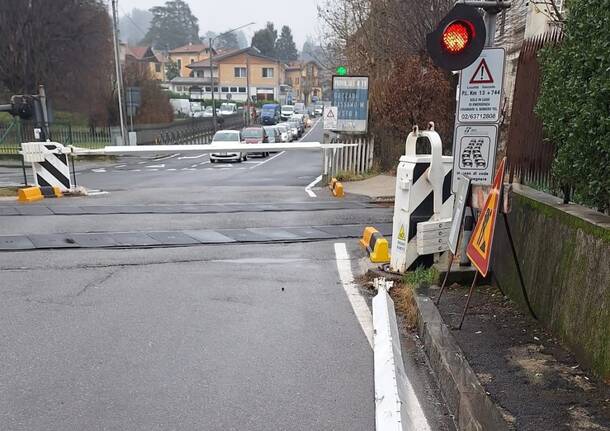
(458, 39)
(22, 107)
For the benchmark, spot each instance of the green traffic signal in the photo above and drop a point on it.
(341, 70)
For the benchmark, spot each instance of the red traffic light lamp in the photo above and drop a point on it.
(459, 38)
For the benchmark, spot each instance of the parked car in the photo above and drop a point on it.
(227, 137)
(286, 112)
(293, 131)
(297, 128)
(318, 110)
(300, 120)
(273, 134)
(270, 113)
(208, 112)
(255, 135)
(299, 108)
(228, 108)
(285, 134)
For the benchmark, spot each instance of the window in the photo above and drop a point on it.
(224, 89)
(157, 67)
(242, 89)
(233, 89)
(178, 87)
(296, 81)
(215, 89)
(208, 89)
(239, 72)
(192, 60)
(179, 64)
(267, 72)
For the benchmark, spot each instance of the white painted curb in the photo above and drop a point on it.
(396, 405)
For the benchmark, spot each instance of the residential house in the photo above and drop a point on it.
(187, 55)
(305, 80)
(236, 71)
(146, 59)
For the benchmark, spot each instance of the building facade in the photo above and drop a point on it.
(187, 55)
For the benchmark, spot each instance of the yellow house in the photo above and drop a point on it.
(145, 58)
(304, 78)
(241, 72)
(187, 55)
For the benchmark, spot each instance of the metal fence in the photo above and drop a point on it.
(354, 160)
(14, 133)
(530, 155)
(188, 131)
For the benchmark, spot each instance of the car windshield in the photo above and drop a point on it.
(226, 136)
(288, 108)
(252, 133)
(208, 109)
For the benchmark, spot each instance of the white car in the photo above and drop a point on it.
(207, 112)
(284, 134)
(286, 112)
(227, 137)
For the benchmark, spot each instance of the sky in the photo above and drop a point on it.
(220, 15)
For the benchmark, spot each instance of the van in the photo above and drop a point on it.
(287, 111)
(270, 114)
(299, 108)
(181, 107)
(228, 108)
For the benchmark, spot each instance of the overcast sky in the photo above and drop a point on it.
(220, 15)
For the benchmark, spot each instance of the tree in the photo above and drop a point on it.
(65, 45)
(172, 25)
(227, 41)
(285, 48)
(264, 40)
(134, 25)
(171, 70)
(573, 103)
(154, 105)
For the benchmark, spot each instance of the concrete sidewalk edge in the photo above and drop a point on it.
(464, 394)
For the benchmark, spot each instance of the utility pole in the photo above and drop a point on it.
(211, 51)
(119, 74)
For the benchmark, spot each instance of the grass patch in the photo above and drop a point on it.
(404, 303)
(423, 277)
(350, 176)
(8, 191)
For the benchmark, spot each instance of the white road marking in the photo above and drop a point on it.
(151, 170)
(204, 163)
(194, 166)
(98, 170)
(166, 157)
(97, 193)
(120, 166)
(192, 157)
(268, 160)
(310, 185)
(313, 126)
(361, 310)
(171, 169)
(135, 170)
(188, 169)
(156, 166)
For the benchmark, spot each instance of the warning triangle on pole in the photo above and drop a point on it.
(330, 114)
(482, 75)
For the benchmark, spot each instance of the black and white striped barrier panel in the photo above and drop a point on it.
(423, 194)
(50, 164)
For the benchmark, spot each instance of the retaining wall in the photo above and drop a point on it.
(564, 252)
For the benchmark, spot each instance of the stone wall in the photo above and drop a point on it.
(564, 253)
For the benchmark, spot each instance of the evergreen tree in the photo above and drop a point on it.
(172, 25)
(264, 40)
(285, 47)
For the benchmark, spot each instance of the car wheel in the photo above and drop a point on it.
(245, 157)
(266, 154)
(212, 161)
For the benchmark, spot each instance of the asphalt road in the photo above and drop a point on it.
(257, 336)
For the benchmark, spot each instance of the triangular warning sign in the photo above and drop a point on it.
(401, 233)
(482, 75)
(330, 114)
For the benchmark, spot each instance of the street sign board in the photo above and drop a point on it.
(481, 88)
(474, 153)
(351, 97)
(330, 117)
(134, 97)
(461, 197)
(479, 246)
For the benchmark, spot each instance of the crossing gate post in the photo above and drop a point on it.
(50, 164)
(423, 194)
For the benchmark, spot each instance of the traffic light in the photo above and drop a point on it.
(341, 70)
(459, 38)
(22, 107)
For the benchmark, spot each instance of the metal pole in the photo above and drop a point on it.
(45, 114)
(17, 121)
(450, 257)
(474, 281)
(211, 40)
(248, 88)
(119, 74)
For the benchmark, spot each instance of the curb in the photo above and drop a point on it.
(36, 193)
(466, 398)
